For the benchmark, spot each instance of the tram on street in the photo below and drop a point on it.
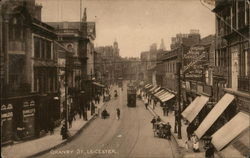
(120, 80)
(131, 95)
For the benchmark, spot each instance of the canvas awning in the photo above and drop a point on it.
(168, 97)
(162, 94)
(156, 90)
(230, 130)
(214, 114)
(158, 93)
(148, 86)
(152, 89)
(190, 107)
(195, 108)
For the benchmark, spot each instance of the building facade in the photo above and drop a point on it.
(29, 87)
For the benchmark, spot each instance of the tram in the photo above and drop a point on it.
(120, 80)
(131, 95)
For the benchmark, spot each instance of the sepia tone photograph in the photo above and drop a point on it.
(125, 78)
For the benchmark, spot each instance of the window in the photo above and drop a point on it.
(241, 14)
(48, 49)
(42, 48)
(37, 47)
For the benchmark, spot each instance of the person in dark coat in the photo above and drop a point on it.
(64, 132)
(118, 113)
(153, 121)
(51, 126)
(209, 153)
(158, 119)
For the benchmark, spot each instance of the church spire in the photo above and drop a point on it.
(84, 18)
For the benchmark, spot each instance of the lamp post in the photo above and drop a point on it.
(66, 95)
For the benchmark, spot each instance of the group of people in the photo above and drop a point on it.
(160, 128)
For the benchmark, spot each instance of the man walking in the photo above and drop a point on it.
(118, 112)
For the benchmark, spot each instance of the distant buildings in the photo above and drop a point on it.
(109, 63)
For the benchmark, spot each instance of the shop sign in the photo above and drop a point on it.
(29, 118)
(6, 123)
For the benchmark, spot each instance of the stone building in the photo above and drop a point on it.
(29, 87)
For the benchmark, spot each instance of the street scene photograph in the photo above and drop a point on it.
(125, 78)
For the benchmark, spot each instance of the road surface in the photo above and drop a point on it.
(131, 136)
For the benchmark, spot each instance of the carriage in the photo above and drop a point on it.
(162, 130)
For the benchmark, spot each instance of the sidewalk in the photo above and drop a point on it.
(48, 142)
(187, 153)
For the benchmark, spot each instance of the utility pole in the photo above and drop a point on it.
(66, 93)
(178, 97)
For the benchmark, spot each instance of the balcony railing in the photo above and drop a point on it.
(244, 84)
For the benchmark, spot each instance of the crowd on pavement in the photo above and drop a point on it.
(192, 145)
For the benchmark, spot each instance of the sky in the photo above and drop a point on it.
(134, 24)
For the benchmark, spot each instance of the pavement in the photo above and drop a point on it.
(186, 150)
(42, 145)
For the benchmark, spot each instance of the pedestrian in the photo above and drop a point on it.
(146, 103)
(186, 145)
(64, 132)
(168, 126)
(158, 119)
(51, 126)
(167, 109)
(209, 153)
(70, 120)
(195, 143)
(153, 121)
(118, 112)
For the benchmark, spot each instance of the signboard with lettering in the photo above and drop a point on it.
(29, 118)
(6, 122)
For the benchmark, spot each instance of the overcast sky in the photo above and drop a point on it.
(135, 24)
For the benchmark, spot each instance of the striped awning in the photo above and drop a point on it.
(148, 85)
(214, 114)
(159, 93)
(152, 89)
(194, 108)
(230, 130)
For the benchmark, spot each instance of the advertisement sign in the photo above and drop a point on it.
(6, 123)
(29, 118)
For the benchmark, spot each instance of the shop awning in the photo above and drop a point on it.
(148, 86)
(162, 94)
(152, 89)
(230, 130)
(157, 89)
(190, 107)
(214, 114)
(170, 96)
(196, 107)
(98, 84)
(158, 93)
